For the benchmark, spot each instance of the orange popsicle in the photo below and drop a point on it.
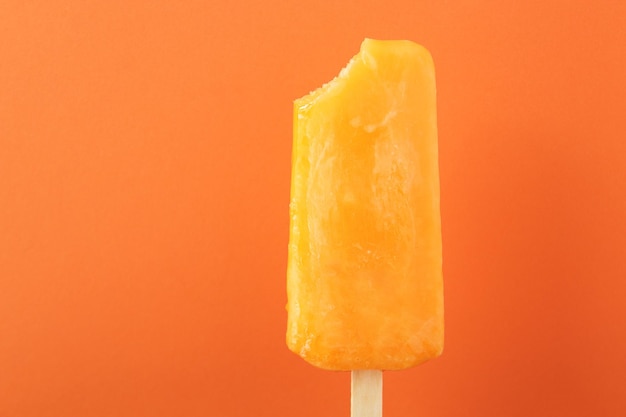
(364, 279)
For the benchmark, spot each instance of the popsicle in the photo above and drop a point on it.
(364, 275)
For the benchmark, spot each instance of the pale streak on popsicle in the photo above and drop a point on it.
(364, 279)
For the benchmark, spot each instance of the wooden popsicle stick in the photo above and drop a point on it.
(367, 394)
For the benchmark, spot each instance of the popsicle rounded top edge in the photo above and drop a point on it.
(369, 43)
(368, 46)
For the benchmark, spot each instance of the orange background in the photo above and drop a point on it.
(144, 188)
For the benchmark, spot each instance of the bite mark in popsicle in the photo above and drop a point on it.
(364, 279)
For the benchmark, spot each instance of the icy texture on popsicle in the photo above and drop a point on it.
(364, 279)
